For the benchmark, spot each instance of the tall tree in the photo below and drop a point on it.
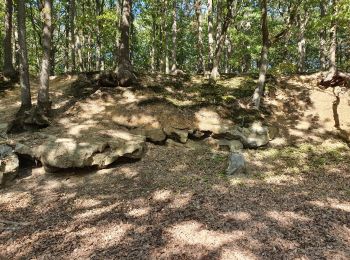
(210, 34)
(8, 55)
(174, 38)
(303, 19)
(72, 15)
(231, 10)
(125, 71)
(264, 55)
(26, 102)
(201, 61)
(323, 40)
(43, 93)
(333, 46)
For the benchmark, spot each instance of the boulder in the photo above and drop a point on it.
(154, 135)
(236, 164)
(69, 152)
(180, 135)
(255, 136)
(9, 164)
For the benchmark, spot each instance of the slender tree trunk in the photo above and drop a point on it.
(174, 38)
(323, 41)
(210, 34)
(333, 47)
(43, 93)
(8, 55)
(153, 47)
(99, 11)
(231, 6)
(26, 102)
(264, 56)
(66, 49)
(201, 62)
(72, 14)
(302, 43)
(125, 70)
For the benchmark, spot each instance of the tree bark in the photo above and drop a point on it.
(264, 56)
(72, 15)
(43, 93)
(210, 34)
(231, 6)
(333, 47)
(153, 47)
(26, 102)
(201, 61)
(174, 38)
(302, 42)
(323, 41)
(8, 55)
(125, 70)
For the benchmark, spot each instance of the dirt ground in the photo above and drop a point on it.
(176, 202)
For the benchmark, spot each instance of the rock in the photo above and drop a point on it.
(180, 135)
(236, 164)
(9, 164)
(154, 135)
(209, 120)
(253, 137)
(224, 144)
(100, 151)
(3, 130)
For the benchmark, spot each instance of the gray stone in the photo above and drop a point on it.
(9, 164)
(236, 164)
(180, 135)
(100, 151)
(155, 135)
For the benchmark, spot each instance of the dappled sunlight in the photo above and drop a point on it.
(332, 203)
(194, 233)
(162, 195)
(287, 218)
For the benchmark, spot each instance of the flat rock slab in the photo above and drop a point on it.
(99, 149)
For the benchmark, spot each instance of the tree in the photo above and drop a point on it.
(201, 61)
(174, 31)
(43, 93)
(125, 71)
(26, 102)
(333, 48)
(8, 55)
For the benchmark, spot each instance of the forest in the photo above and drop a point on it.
(174, 129)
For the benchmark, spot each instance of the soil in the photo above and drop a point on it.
(177, 202)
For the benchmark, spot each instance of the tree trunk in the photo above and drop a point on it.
(302, 43)
(174, 38)
(210, 34)
(66, 40)
(125, 70)
(26, 102)
(72, 14)
(8, 55)
(99, 58)
(231, 6)
(43, 93)
(323, 41)
(333, 47)
(201, 62)
(264, 56)
(153, 47)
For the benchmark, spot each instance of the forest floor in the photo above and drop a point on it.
(176, 202)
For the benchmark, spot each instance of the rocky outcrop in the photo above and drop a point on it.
(9, 164)
(68, 152)
(154, 135)
(180, 135)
